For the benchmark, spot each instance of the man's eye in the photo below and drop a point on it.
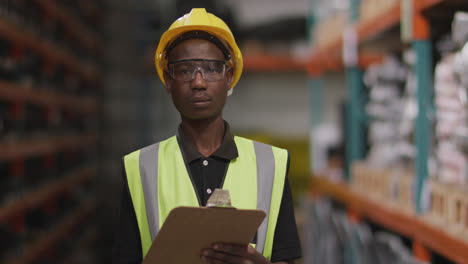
(214, 69)
(183, 71)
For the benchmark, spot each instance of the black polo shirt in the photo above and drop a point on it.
(207, 174)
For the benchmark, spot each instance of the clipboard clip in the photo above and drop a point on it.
(219, 199)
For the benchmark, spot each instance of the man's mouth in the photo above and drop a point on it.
(200, 100)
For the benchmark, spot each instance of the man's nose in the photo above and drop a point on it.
(198, 79)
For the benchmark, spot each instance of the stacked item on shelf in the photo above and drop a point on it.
(386, 83)
(333, 238)
(451, 84)
(387, 171)
(449, 195)
(371, 9)
(380, 176)
(48, 128)
(332, 17)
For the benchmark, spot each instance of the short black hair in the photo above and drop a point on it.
(198, 34)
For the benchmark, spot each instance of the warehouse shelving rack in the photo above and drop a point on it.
(426, 238)
(47, 50)
(15, 152)
(47, 192)
(14, 92)
(46, 145)
(273, 63)
(426, 235)
(88, 39)
(86, 241)
(49, 239)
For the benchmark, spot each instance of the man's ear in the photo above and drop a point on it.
(229, 77)
(168, 81)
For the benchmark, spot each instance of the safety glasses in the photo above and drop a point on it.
(185, 70)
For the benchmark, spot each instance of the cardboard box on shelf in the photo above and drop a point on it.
(372, 9)
(330, 30)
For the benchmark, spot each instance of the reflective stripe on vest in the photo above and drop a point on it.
(158, 181)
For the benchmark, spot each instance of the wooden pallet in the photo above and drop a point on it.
(376, 183)
(449, 208)
(405, 194)
(438, 212)
(392, 187)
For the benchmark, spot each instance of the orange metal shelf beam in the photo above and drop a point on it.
(11, 91)
(367, 59)
(270, 63)
(44, 193)
(88, 39)
(58, 233)
(407, 225)
(273, 63)
(367, 30)
(321, 64)
(333, 49)
(27, 148)
(384, 216)
(425, 4)
(46, 49)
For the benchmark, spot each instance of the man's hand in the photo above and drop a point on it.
(232, 254)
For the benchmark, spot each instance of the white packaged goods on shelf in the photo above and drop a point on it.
(451, 84)
(381, 111)
(324, 137)
(382, 93)
(449, 103)
(392, 108)
(461, 68)
(380, 132)
(454, 163)
(460, 28)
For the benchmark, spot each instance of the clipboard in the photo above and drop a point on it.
(188, 230)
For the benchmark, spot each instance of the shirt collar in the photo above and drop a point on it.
(227, 150)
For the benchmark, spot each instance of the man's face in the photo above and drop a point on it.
(198, 99)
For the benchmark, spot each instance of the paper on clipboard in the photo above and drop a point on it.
(188, 230)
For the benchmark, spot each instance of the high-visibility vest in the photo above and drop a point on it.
(158, 182)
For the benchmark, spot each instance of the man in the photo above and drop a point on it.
(199, 62)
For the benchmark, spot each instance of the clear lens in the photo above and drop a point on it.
(211, 70)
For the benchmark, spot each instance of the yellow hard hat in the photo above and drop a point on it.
(199, 20)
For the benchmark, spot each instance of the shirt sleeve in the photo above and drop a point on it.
(286, 244)
(127, 242)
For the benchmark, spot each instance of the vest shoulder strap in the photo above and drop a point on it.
(271, 165)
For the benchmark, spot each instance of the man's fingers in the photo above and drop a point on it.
(235, 250)
(210, 260)
(215, 257)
